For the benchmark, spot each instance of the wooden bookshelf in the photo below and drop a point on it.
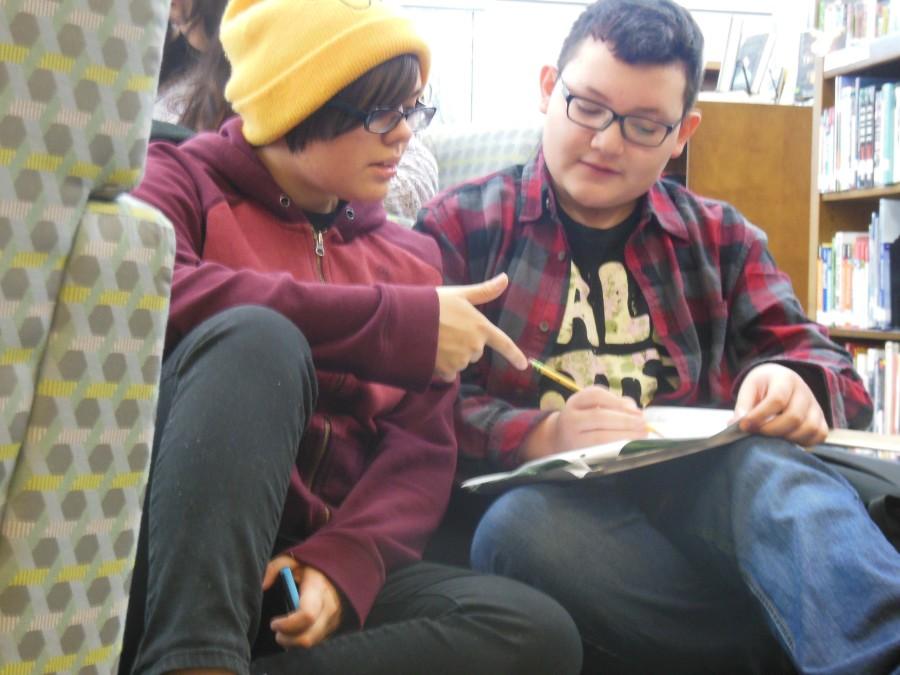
(754, 156)
(848, 209)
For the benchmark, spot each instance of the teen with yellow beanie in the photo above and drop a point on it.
(305, 415)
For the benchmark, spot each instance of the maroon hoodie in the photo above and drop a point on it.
(376, 463)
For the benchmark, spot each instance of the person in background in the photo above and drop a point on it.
(194, 67)
(415, 183)
(754, 557)
(310, 369)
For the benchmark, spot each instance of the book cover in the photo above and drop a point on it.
(684, 431)
(893, 282)
(888, 274)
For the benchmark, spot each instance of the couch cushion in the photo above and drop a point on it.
(77, 81)
(465, 151)
(70, 526)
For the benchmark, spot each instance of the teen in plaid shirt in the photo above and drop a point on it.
(757, 556)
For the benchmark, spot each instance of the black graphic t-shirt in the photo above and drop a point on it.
(606, 336)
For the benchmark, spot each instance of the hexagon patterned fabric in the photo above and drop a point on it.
(464, 152)
(85, 276)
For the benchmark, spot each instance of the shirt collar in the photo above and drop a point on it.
(537, 197)
(659, 204)
(537, 193)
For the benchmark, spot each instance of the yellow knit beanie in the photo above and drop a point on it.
(288, 57)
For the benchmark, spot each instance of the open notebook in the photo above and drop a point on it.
(684, 431)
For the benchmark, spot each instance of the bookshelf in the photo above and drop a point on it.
(847, 209)
(852, 139)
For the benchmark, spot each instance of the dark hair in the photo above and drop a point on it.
(386, 85)
(205, 73)
(656, 32)
(205, 106)
(177, 58)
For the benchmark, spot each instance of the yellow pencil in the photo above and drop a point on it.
(551, 374)
(569, 384)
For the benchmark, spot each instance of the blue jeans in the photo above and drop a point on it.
(725, 560)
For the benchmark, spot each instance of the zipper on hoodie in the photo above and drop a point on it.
(321, 451)
(319, 242)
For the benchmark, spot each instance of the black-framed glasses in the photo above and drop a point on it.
(597, 117)
(383, 120)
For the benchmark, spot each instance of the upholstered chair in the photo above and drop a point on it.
(85, 274)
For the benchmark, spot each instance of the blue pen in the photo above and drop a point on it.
(291, 594)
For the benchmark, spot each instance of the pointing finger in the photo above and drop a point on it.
(502, 343)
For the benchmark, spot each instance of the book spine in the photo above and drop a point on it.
(823, 284)
(872, 265)
(875, 386)
(895, 168)
(867, 142)
(885, 172)
(890, 385)
(853, 164)
(860, 283)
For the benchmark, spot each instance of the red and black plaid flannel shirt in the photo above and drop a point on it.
(717, 301)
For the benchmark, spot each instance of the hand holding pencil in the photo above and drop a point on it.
(571, 385)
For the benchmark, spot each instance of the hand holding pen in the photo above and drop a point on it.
(592, 415)
(571, 385)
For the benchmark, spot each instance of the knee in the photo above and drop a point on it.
(262, 333)
(777, 473)
(541, 636)
(253, 351)
(254, 340)
(554, 644)
(511, 535)
(763, 459)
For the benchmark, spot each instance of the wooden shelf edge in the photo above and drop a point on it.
(859, 57)
(865, 193)
(844, 333)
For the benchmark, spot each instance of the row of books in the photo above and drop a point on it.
(858, 135)
(858, 273)
(858, 20)
(879, 368)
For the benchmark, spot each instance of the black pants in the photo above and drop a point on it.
(235, 397)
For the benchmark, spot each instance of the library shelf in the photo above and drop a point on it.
(875, 352)
(864, 193)
(849, 209)
(863, 57)
(864, 334)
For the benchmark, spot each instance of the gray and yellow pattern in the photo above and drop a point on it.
(465, 152)
(84, 284)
